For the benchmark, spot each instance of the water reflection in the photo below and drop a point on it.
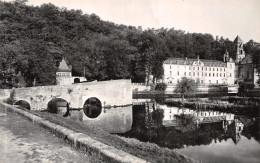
(202, 135)
(174, 127)
(113, 120)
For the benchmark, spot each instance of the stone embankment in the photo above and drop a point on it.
(79, 140)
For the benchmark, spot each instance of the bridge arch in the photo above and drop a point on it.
(92, 107)
(58, 106)
(23, 103)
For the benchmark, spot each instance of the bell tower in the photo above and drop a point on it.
(238, 49)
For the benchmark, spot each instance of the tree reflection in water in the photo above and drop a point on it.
(190, 130)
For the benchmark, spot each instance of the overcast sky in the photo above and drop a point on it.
(227, 18)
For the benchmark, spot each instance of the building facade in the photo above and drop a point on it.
(238, 49)
(227, 72)
(247, 71)
(202, 71)
(245, 68)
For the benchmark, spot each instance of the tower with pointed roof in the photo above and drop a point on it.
(238, 49)
(64, 74)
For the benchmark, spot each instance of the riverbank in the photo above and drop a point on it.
(237, 105)
(145, 151)
(162, 94)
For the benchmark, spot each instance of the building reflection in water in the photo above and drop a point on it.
(231, 126)
(174, 127)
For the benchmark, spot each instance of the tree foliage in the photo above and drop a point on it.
(105, 50)
(186, 86)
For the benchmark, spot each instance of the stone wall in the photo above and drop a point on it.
(139, 87)
(207, 89)
(110, 93)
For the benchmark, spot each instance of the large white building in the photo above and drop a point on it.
(201, 70)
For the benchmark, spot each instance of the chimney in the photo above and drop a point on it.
(198, 57)
(186, 58)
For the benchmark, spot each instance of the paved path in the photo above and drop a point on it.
(21, 141)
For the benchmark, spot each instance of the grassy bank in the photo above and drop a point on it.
(147, 151)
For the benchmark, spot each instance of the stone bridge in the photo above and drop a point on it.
(110, 93)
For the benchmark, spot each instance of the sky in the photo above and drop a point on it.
(227, 18)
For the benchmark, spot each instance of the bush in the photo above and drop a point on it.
(160, 87)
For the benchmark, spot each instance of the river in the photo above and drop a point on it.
(207, 136)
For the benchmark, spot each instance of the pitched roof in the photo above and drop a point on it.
(64, 67)
(238, 39)
(182, 61)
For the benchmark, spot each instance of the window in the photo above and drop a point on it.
(178, 81)
(189, 68)
(230, 65)
(189, 73)
(217, 81)
(170, 67)
(220, 69)
(213, 69)
(198, 73)
(185, 73)
(193, 73)
(193, 68)
(202, 68)
(206, 68)
(213, 74)
(217, 74)
(198, 68)
(209, 69)
(209, 74)
(170, 72)
(220, 74)
(224, 75)
(205, 74)
(178, 73)
(202, 81)
(217, 69)
(230, 75)
(202, 74)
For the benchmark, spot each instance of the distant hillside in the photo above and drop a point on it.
(32, 37)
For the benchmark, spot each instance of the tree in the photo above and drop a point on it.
(244, 87)
(185, 87)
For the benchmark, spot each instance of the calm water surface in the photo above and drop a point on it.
(207, 136)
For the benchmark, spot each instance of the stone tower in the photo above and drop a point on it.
(238, 49)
